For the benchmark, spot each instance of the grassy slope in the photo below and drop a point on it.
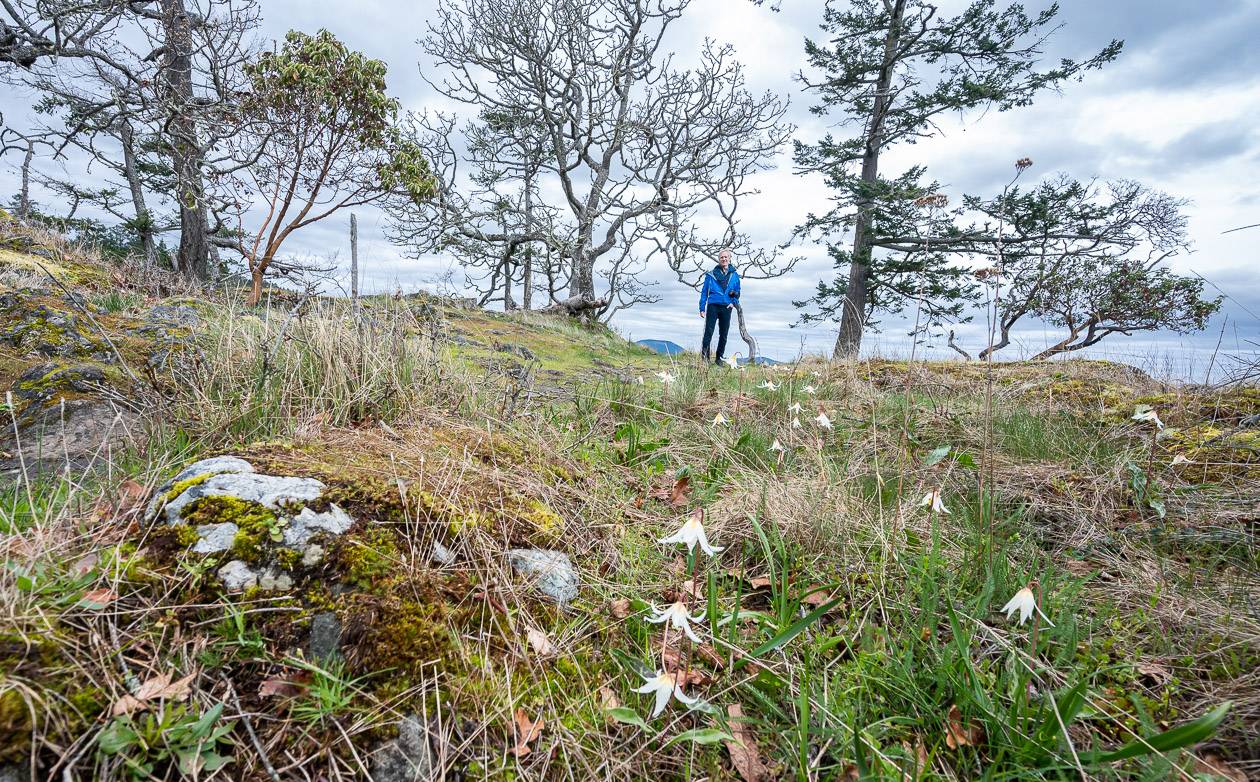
(424, 439)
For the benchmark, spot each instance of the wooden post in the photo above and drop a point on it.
(354, 263)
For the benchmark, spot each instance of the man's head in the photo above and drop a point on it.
(724, 257)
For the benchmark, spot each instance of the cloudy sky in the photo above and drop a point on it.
(1176, 111)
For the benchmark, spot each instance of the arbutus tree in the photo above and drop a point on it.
(321, 135)
(632, 144)
(157, 74)
(1086, 257)
(892, 69)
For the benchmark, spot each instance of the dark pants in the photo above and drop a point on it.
(719, 315)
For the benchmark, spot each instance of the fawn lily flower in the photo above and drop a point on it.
(664, 685)
(732, 361)
(823, 421)
(1147, 413)
(719, 419)
(665, 377)
(796, 422)
(639, 380)
(809, 390)
(795, 408)
(691, 533)
(1180, 459)
(933, 499)
(776, 445)
(1025, 603)
(678, 618)
(768, 385)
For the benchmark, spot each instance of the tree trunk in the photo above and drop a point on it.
(527, 281)
(743, 333)
(853, 310)
(255, 286)
(24, 197)
(582, 283)
(144, 221)
(186, 154)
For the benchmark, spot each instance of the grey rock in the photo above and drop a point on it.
(550, 571)
(16, 772)
(76, 435)
(273, 580)
(306, 524)
(215, 465)
(175, 314)
(517, 350)
(44, 381)
(408, 758)
(270, 491)
(213, 538)
(442, 555)
(312, 555)
(325, 641)
(238, 576)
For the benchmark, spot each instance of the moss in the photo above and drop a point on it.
(368, 560)
(257, 526)
(288, 558)
(383, 632)
(186, 484)
(545, 520)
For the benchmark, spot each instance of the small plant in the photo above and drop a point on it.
(328, 693)
(150, 742)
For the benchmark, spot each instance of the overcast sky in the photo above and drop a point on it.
(1176, 111)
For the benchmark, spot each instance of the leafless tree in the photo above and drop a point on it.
(633, 146)
(158, 74)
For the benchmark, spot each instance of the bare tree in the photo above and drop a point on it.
(160, 72)
(632, 145)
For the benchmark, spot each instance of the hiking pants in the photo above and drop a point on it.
(719, 315)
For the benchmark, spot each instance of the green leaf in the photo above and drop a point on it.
(966, 460)
(796, 628)
(701, 736)
(1185, 735)
(25, 583)
(937, 455)
(627, 716)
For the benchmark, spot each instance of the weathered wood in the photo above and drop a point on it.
(576, 305)
(743, 333)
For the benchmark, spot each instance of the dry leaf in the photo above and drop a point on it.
(744, 755)
(86, 564)
(678, 497)
(620, 608)
(817, 598)
(130, 496)
(97, 599)
(609, 698)
(684, 673)
(539, 642)
(920, 754)
(1157, 672)
(959, 735)
(1217, 767)
(850, 772)
(526, 731)
(280, 688)
(160, 687)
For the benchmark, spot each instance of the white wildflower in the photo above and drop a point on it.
(666, 377)
(1025, 603)
(663, 685)
(719, 419)
(691, 533)
(795, 408)
(769, 386)
(933, 499)
(678, 618)
(823, 421)
(777, 446)
(796, 422)
(809, 390)
(1146, 413)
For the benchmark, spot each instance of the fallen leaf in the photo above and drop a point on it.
(919, 752)
(678, 496)
(959, 735)
(86, 564)
(526, 731)
(1155, 671)
(816, 598)
(280, 688)
(539, 642)
(620, 608)
(97, 599)
(850, 772)
(130, 496)
(160, 687)
(608, 698)
(684, 673)
(744, 754)
(1217, 767)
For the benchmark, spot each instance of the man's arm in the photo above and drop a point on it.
(704, 293)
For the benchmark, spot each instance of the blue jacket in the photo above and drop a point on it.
(712, 293)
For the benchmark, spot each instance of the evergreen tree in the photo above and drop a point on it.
(892, 68)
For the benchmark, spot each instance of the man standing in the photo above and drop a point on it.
(718, 294)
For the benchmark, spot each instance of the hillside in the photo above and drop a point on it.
(424, 541)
